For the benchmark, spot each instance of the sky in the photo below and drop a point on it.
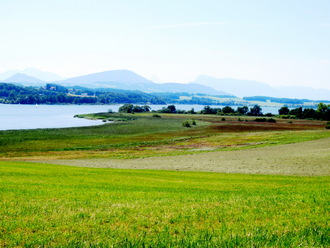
(279, 42)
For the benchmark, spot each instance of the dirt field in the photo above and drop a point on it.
(310, 158)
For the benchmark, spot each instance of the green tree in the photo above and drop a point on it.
(126, 108)
(242, 110)
(146, 108)
(192, 111)
(309, 113)
(207, 110)
(228, 110)
(284, 110)
(171, 108)
(323, 111)
(12, 94)
(298, 112)
(255, 110)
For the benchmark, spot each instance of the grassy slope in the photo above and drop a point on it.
(48, 205)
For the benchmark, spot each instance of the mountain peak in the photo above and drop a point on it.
(42, 75)
(118, 76)
(33, 72)
(23, 78)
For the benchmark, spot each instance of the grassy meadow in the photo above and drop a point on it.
(132, 136)
(44, 205)
(50, 205)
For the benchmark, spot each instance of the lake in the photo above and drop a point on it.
(59, 116)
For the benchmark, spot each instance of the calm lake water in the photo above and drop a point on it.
(59, 116)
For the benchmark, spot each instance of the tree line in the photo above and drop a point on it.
(171, 109)
(289, 101)
(321, 113)
(199, 98)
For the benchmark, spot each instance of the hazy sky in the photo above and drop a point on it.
(280, 42)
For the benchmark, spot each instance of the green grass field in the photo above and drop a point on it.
(50, 205)
(43, 205)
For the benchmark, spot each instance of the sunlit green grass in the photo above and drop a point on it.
(49, 205)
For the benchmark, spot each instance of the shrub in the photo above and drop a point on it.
(186, 124)
(271, 120)
(328, 125)
(156, 115)
(287, 116)
(168, 110)
(192, 111)
(260, 119)
(265, 120)
(223, 119)
(194, 123)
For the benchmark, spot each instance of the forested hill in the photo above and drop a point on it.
(56, 94)
(280, 100)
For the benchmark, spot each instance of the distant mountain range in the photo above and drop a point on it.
(243, 88)
(236, 87)
(128, 80)
(41, 75)
(118, 79)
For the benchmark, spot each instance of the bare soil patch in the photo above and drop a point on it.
(241, 126)
(310, 158)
